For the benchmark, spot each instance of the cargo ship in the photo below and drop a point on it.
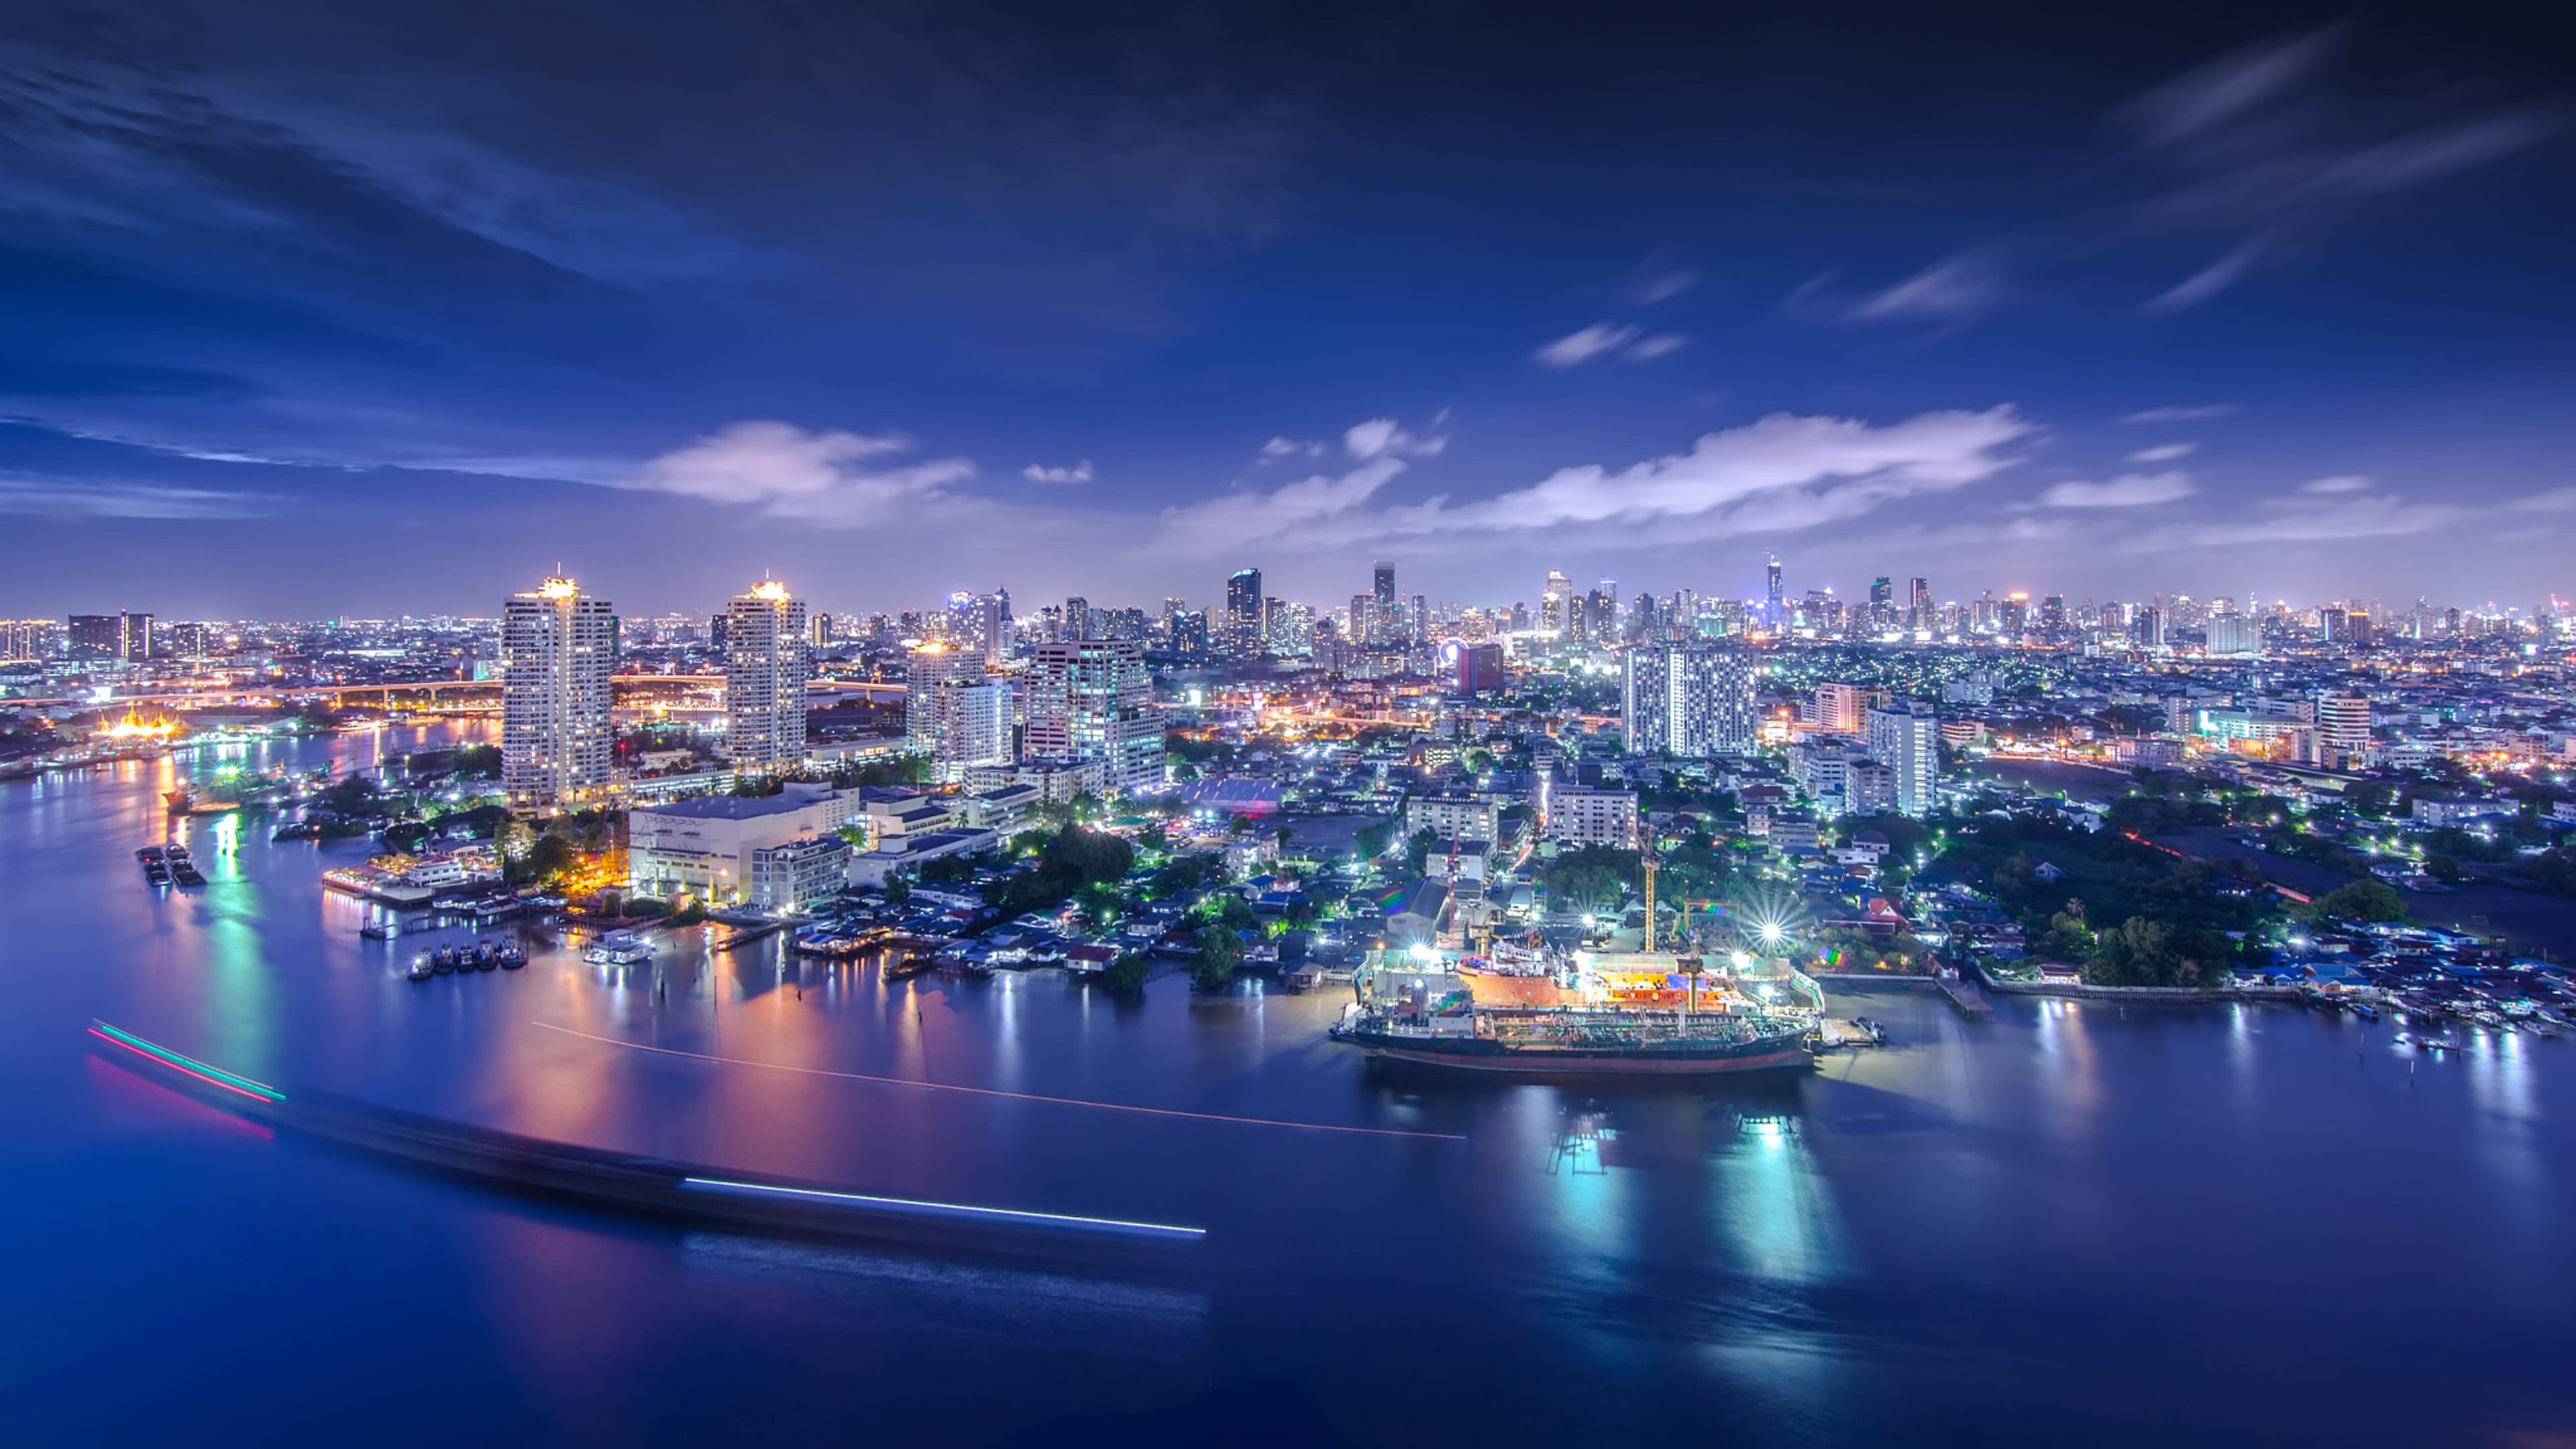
(1589, 1015)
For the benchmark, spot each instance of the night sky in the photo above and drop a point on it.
(310, 309)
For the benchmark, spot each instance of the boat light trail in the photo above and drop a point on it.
(190, 1066)
(948, 1209)
(636, 1046)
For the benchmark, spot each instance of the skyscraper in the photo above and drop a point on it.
(1772, 599)
(558, 740)
(1690, 700)
(1243, 609)
(2343, 723)
(955, 714)
(1920, 610)
(1093, 700)
(1907, 739)
(767, 661)
(1552, 602)
(1385, 585)
(1838, 708)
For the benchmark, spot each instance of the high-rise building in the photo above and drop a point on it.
(1839, 708)
(1773, 599)
(1189, 632)
(1094, 700)
(22, 640)
(1907, 739)
(189, 640)
(1243, 609)
(558, 738)
(1480, 667)
(2343, 723)
(818, 631)
(1920, 610)
(2235, 634)
(136, 639)
(955, 714)
(2147, 627)
(1552, 603)
(1417, 625)
(94, 636)
(767, 661)
(1689, 700)
(2012, 618)
(2052, 615)
(1601, 614)
(1385, 586)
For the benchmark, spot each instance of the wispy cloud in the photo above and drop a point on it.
(1278, 448)
(1950, 290)
(1040, 473)
(1781, 473)
(1385, 438)
(1577, 348)
(1647, 349)
(2209, 281)
(836, 478)
(1663, 284)
(2199, 100)
(2300, 521)
(2189, 414)
(64, 498)
(2340, 483)
(2130, 490)
(2165, 453)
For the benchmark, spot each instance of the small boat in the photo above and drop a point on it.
(444, 961)
(512, 956)
(1877, 1030)
(486, 958)
(421, 969)
(384, 930)
(618, 948)
(2365, 1011)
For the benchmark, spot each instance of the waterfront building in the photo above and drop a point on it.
(705, 846)
(1907, 740)
(956, 715)
(558, 651)
(1691, 700)
(798, 875)
(1093, 699)
(767, 661)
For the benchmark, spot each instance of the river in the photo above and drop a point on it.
(2078, 1224)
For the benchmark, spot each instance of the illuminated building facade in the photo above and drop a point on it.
(1093, 699)
(767, 661)
(558, 649)
(1688, 700)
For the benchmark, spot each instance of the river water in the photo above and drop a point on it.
(2078, 1224)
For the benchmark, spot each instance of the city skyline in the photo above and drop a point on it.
(2241, 302)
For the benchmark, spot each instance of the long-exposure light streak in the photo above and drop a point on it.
(1057, 1220)
(189, 1066)
(998, 1092)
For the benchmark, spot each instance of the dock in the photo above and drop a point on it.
(1965, 999)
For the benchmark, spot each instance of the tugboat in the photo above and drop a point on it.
(486, 958)
(421, 969)
(444, 962)
(513, 956)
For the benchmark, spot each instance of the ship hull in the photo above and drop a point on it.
(1773, 1054)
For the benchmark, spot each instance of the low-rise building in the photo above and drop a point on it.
(800, 874)
(1450, 817)
(703, 846)
(1579, 816)
(1057, 781)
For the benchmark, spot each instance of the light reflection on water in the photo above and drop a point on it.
(1783, 1254)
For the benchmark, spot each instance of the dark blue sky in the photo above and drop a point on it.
(314, 308)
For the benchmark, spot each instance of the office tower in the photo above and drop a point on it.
(558, 741)
(2052, 615)
(101, 636)
(1601, 613)
(1243, 609)
(1773, 599)
(1838, 708)
(1384, 589)
(2235, 634)
(1907, 739)
(1983, 615)
(1553, 598)
(1173, 607)
(188, 641)
(767, 661)
(1480, 667)
(1519, 622)
(1920, 611)
(1690, 700)
(2333, 625)
(136, 641)
(2013, 617)
(2343, 723)
(818, 631)
(955, 714)
(1093, 700)
(1077, 620)
(1418, 626)
(2147, 628)
(1189, 632)
(1363, 616)
(24, 640)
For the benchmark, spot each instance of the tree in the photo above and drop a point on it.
(1417, 851)
(1371, 840)
(898, 889)
(1127, 974)
(1220, 954)
(551, 856)
(2364, 900)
